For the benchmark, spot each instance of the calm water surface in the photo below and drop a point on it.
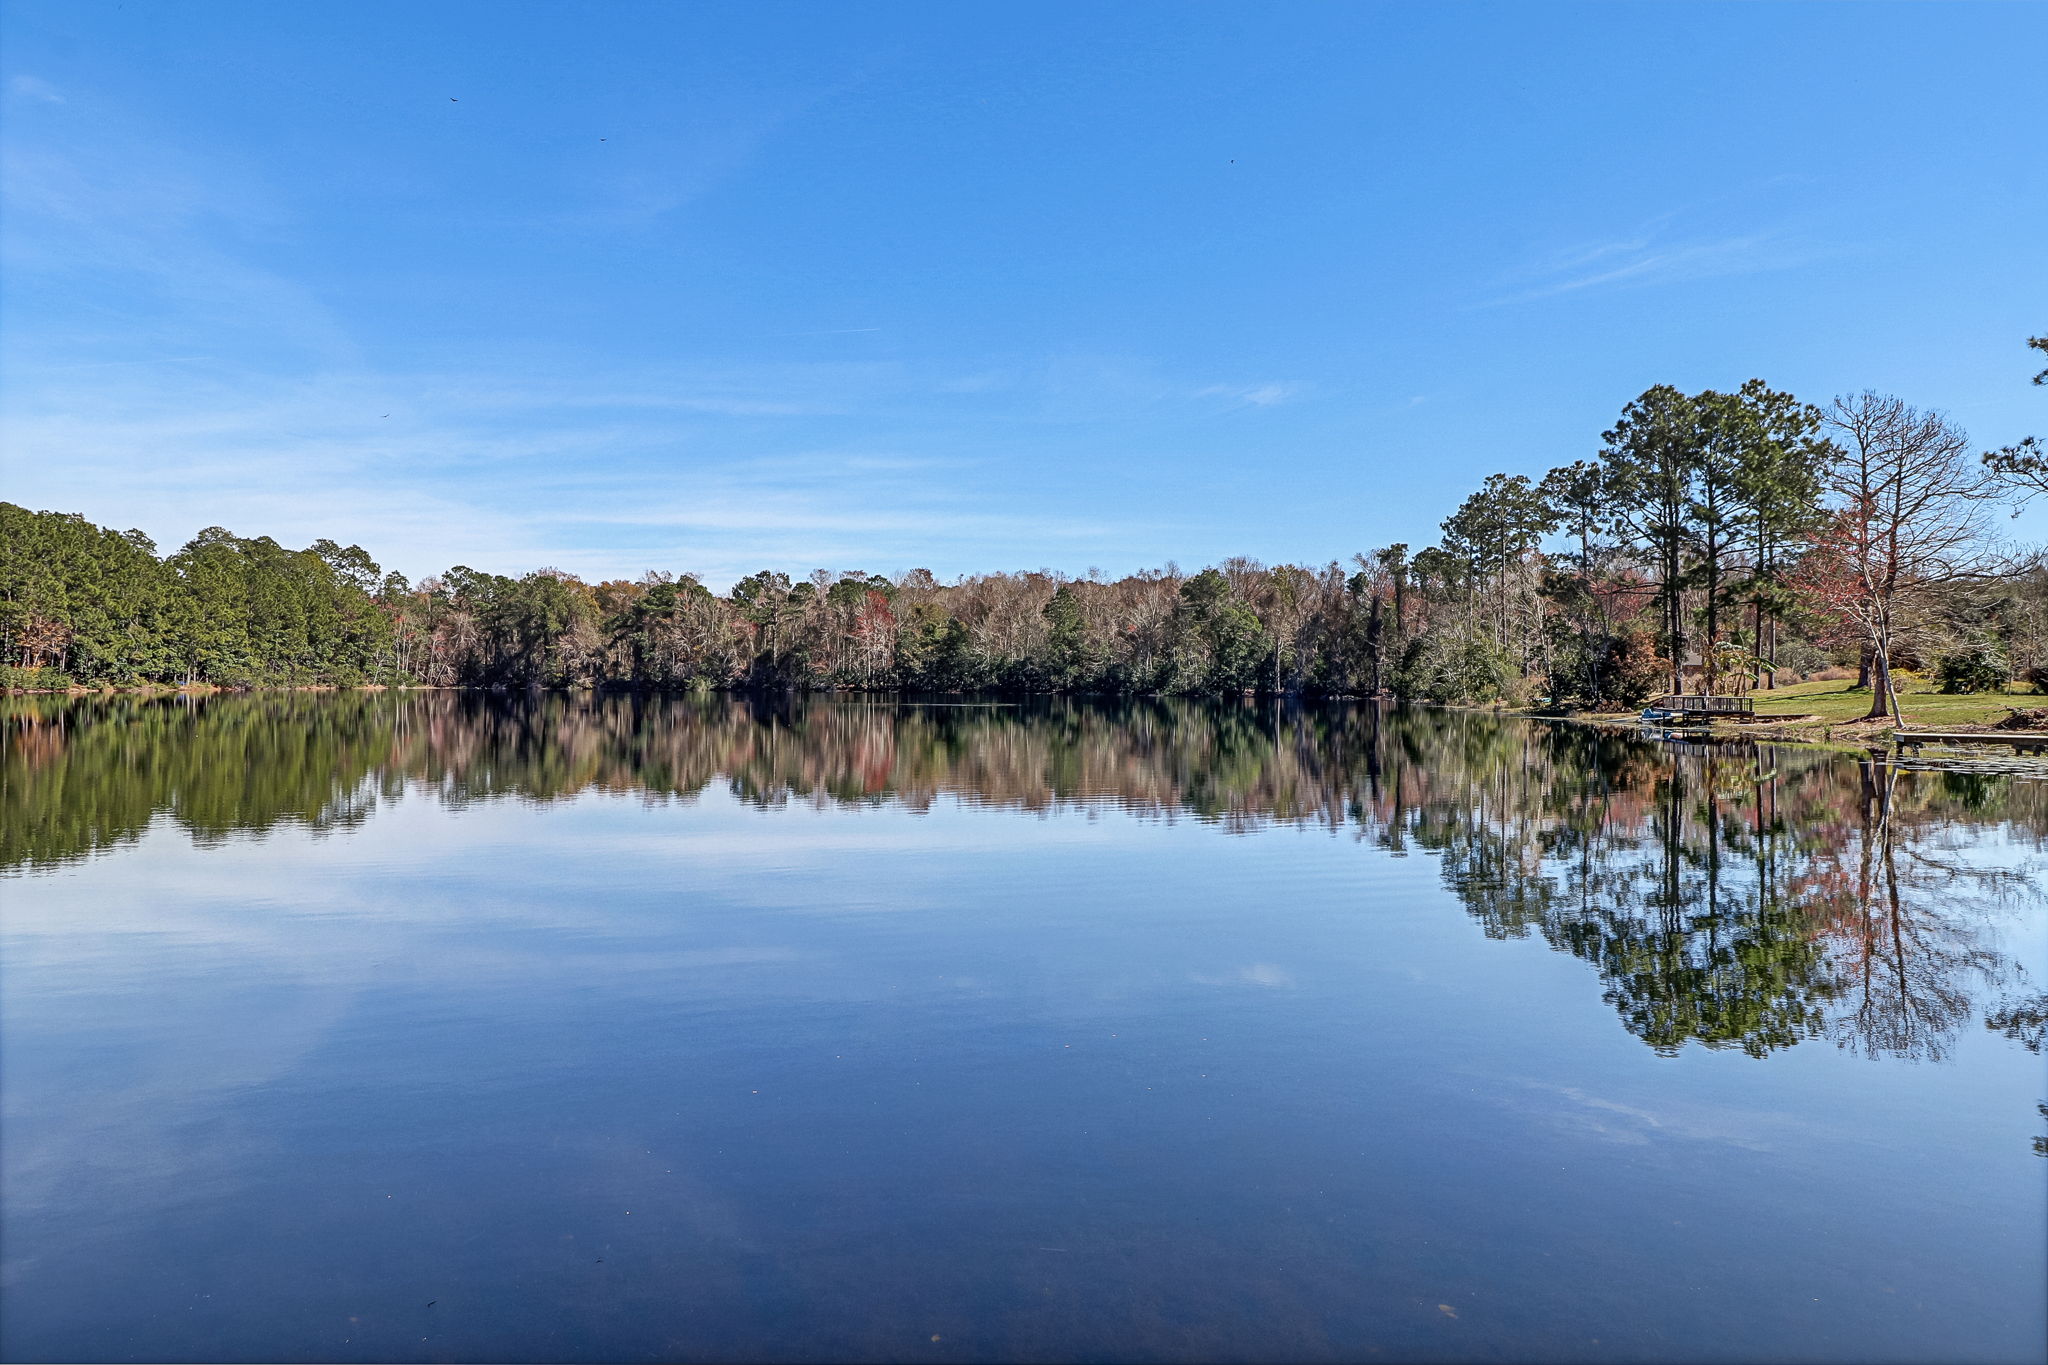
(368, 1027)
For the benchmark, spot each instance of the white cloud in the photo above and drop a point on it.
(1265, 975)
(1659, 251)
(34, 88)
(172, 377)
(1266, 395)
(503, 476)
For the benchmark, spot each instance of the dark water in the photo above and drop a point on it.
(437, 1027)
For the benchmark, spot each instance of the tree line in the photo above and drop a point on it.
(1714, 541)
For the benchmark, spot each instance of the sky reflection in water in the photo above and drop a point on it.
(448, 1027)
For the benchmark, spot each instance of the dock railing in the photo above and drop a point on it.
(1704, 705)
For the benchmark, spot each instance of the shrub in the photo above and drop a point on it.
(1802, 658)
(33, 679)
(1454, 666)
(1635, 671)
(1973, 668)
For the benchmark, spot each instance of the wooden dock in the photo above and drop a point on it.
(1697, 709)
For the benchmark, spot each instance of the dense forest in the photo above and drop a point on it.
(1715, 541)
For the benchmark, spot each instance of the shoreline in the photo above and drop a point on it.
(1841, 736)
(1854, 736)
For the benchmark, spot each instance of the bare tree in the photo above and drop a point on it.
(1286, 601)
(1909, 521)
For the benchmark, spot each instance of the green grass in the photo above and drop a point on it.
(1835, 702)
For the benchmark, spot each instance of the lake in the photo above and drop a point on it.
(379, 1026)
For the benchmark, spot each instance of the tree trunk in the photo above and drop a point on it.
(1880, 696)
(1710, 663)
(1884, 697)
(1674, 613)
(1375, 630)
(1756, 638)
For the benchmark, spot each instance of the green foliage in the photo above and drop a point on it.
(1714, 490)
(34, 679)
(1973, 668)
(244, 612)
(934, 652)
(851, 589)
(99, 606)
(672, 632)
(1496, 526)
(80, 598)
(1071, 658)
(1219, 646)
(1455, 666)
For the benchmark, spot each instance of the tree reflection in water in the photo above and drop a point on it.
(1733, 896)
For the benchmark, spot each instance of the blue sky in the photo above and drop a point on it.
(718, 287)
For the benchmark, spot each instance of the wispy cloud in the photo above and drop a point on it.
(507, 476)
(1266, 395)
(1266, 975)
(154, 249)
(176, 376)
(26, 87)
(985, 382)
(653, 171)
(1098, 388)
(1658, 252)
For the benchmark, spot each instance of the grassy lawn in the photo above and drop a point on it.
(1834, 702)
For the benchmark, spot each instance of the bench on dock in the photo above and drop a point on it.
(2021, 741)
